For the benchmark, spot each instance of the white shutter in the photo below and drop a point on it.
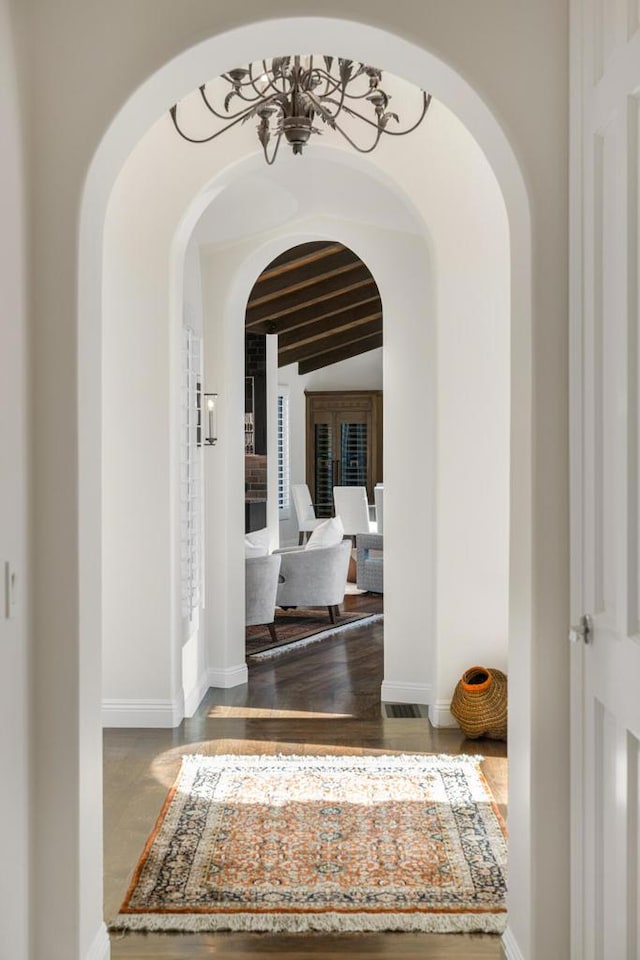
(283, 453)
(191, 475)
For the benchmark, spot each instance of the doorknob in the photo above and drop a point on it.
(583, 631)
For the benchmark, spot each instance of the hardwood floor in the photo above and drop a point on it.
(322, 699)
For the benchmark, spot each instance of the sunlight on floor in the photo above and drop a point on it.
(221, 710)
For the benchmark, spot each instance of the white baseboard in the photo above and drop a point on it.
(510, 948)
(228, 676)
(100, 949)
(440, 715)
(194, 697)
(395, 692)
(143, 713)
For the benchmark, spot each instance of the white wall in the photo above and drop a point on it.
(14, 413)
(473, 420)
(358, 373)
(142, 628)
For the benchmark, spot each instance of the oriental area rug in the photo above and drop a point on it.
(321, 844)
(300, 626)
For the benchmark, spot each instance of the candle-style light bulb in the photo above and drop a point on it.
(211, 405)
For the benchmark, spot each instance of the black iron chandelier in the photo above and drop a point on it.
(289, 95)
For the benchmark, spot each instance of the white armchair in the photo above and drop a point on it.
(370, 562)
(314, 578)
(261, 584)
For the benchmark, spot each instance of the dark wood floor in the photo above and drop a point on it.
(323, 699)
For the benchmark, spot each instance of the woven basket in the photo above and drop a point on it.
(479, 703)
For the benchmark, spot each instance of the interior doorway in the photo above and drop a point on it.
(525, 311)
(313, 421)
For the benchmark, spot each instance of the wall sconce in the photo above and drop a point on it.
(211, 421)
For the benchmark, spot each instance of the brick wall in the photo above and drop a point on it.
(255, 477)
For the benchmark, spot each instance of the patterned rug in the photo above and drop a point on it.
(312, 623)
(299, 844)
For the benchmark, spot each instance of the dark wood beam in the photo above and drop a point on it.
(342, 353)
(302, 250)
(313, 328)
(363, 297)
(314, 293)
(330, 341)
(276, 291)
(302, 259)
(340, 262)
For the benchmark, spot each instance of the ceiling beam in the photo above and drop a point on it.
(276, 291)
(302, 250)
(363, 297)
(342, 353)
(300, 257)
(312, 294)
(330, 323)
(295, 279)
(330, 341)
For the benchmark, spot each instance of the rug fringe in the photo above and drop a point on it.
(314, 638)
(315, 923)
(376, 761)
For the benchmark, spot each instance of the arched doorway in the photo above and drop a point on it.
(441, 80)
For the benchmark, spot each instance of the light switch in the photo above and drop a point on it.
(9, 589)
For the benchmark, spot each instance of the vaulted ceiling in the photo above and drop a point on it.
(323, 303)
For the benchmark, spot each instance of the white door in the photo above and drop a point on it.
(605, 490)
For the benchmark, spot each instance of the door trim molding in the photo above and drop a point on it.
(510, 946)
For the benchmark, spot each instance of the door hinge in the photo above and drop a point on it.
(583, 631)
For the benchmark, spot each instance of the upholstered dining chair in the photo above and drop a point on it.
(305, 513)
(378, 493)
(261, 586)
(352, 506)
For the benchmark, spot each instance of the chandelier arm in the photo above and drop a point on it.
(228, 116)
(174, 112)
(251, 82)
(330, 82)
(247, 99)
(394, 133)
(329, 79)
(270, 81)
(259, 93)
(236, 83)
(379, 132)
(361, 96)
(318, 103)
(275, 152)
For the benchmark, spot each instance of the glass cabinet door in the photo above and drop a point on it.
(325, 468)
(354, 452)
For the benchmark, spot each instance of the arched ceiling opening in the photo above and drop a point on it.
(323, 303)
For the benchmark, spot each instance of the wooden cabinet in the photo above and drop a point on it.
(344, 443)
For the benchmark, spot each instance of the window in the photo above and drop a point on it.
(283, 452)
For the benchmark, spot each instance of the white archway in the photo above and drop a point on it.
(402, 271)
(175, 79)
